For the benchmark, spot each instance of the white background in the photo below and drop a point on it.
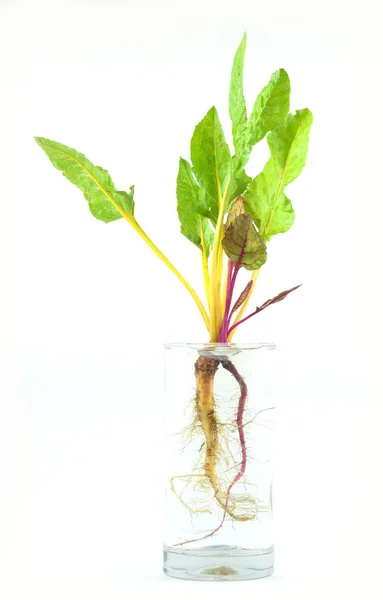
(85, 307)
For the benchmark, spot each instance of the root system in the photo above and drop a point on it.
(215, 472)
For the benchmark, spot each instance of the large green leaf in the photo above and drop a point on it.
(202, 205)
(266, 202)
(211, 159)
(193, 226)
(237, 103)
(289, 143)
(243, 244)
(105, 202)
(265, 199)
(270, 108)
(238, 186)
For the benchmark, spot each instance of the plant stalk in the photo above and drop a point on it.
(205, 267)
(170, 265)
(254, 277)
(216, 270)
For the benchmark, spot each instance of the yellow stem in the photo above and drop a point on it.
(219, 269)
(206, 278)
(216, 271)
(239, 316)
(224, 286)
(205, 266)
(132, 221)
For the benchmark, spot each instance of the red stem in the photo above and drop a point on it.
(222, 334)
(231, 279)
(244, 319)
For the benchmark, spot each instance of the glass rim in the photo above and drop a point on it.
(221, 345)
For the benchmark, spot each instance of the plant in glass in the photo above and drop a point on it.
(230, 217)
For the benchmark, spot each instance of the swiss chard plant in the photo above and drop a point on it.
(229, 216)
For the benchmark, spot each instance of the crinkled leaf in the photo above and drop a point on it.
(278, 298)
(211, 159)
(265, 199)
(243, 244)
(281, 296)
(243, 296)
(193, 226)
(270, 108)
(105, 202)
(237, 208)
(237, 103)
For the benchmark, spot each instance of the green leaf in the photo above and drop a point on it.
(270, 108)
(193, 226)
(237, 103)
(265, 198)
(266, 202)
(243, 244)
(201, 205)
(289, 143)
(105, 202)
(238, 186)
(211, 159)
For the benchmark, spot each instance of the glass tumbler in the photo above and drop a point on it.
(219, 422)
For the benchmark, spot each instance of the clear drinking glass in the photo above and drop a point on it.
(219, 421)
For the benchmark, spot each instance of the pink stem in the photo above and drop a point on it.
(244, 319)
(231, 279)
(274, 300)
(229, 318)
(229, 286)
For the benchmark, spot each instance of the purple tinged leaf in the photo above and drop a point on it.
(237, 208)
(243, 244)
(243, 296)
(281, 296)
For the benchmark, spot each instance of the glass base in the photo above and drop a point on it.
(219, 563)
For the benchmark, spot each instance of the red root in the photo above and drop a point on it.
(228, 365)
